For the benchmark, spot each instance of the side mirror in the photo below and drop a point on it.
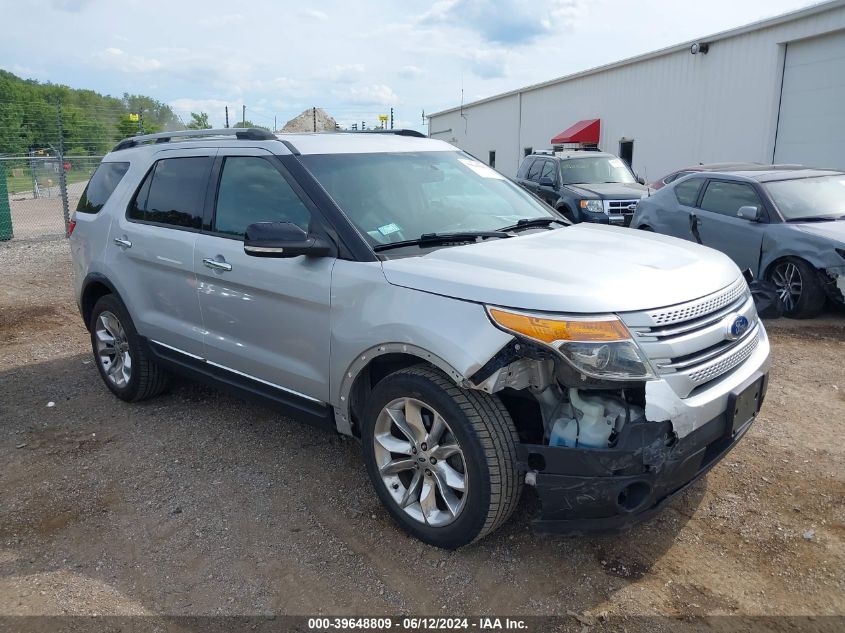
(750, 212)
(546, 182)
(641, 180)
(283, 239)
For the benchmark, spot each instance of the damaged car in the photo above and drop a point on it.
(392, 288)
(786, 224)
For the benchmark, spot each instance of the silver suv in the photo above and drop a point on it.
(395, 289)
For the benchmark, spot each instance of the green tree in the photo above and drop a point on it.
(248, 123)
(126, 128)
(199, 121)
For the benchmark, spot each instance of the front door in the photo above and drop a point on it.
(722, 229)
(151, 249)
(548, 173)
(265, 318)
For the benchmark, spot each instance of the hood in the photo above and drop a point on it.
(609, 190)
(833, 231)
(585, 268)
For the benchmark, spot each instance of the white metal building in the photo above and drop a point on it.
(772, 91)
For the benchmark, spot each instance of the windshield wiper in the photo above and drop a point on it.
(817, 218)
(530, 223)
(433, 239)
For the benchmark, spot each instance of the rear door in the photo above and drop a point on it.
(150, 250)
(265, 318)
(672, 217)
(722, 229)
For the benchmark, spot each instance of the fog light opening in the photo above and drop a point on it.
(634, 496)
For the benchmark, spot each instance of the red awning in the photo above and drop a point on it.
(586, 131)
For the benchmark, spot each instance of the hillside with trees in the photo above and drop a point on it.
(32, 112)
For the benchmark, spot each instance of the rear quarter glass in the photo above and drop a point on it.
(101, 186)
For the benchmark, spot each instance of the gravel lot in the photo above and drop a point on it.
(198, 503)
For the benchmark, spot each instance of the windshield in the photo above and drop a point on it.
(595, 169)
(809, 197)
(393, 197)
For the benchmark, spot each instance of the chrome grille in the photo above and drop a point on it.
(689, 343)
(620, 211)
(726, 363)
(699, 307)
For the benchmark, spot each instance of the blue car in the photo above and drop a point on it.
(787, 225)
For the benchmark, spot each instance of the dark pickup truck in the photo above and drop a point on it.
(585, 186)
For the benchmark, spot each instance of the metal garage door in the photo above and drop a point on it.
(811, 125)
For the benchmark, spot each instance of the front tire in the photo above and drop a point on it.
(798, 288)
(442, 459)
(567, 213)
(121, 358)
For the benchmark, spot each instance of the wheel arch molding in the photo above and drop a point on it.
(373, 364)
(94, 286)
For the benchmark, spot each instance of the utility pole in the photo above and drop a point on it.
(227, 116)
(391, 118)
(243, 117)
(314, 118)
(275, 125)
(62, 174)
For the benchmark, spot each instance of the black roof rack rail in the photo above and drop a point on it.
(248, 134)
(397, 132)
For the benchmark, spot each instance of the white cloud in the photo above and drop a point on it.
(511, 22)
(487, 63)
(411, 72)
(314, 14)
(375, 94)
(121, 60)
(70, 5)
(227, 19)
(345, 73)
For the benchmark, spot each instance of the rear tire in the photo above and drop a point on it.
(475, 491)
(120, 355)
(798, 287)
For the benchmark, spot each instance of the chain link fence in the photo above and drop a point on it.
(41, 191)
(48, 151)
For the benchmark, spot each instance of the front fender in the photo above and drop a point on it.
(784, 241)
(371, 317)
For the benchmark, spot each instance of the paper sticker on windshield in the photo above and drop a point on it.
(615, 162)
(481, 169)
(387, 229)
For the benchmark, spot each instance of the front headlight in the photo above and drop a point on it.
(595, 206)
(599, 347)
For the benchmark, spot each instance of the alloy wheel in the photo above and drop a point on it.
(420, 462)
(787, 279)
(113, 349)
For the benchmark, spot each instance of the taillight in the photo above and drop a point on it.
(70, 226)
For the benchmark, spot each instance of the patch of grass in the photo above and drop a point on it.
(19, 180)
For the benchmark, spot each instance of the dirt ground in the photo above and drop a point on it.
(198, 503)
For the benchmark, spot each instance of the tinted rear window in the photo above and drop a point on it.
(687, 191)
(173, 193)
(101, 186)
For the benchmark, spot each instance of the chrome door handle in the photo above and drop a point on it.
(216, 265)
(123, 242)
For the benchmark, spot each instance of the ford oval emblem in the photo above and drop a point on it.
(736, 328)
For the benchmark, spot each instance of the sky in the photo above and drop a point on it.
(356, 59)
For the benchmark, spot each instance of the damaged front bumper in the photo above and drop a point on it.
(610, 489)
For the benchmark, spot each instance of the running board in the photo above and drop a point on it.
(295, 406)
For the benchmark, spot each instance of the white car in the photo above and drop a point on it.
(395, 289)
